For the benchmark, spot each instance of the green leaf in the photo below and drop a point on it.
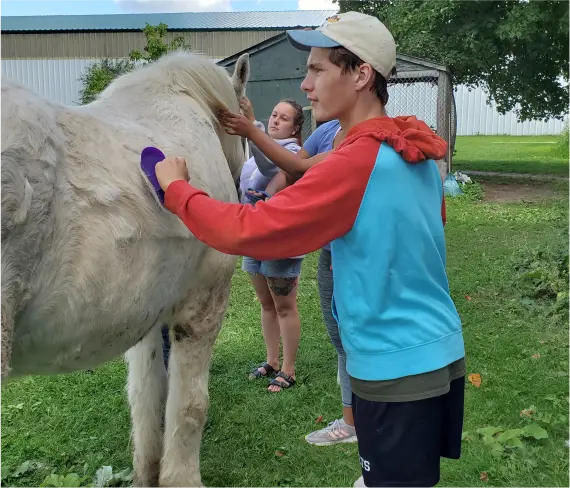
(106, 477)
(496, 448)
(509, 434)
(514, 442)
(6, 471)
(53, 479)
(536, 431)
(533, 274)
(488, 433)
(23, 468)
(71, 480)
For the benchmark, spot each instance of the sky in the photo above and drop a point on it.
(83, 7)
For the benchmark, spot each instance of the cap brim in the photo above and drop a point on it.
(306, 39)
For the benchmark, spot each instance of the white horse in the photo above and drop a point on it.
(93, 264)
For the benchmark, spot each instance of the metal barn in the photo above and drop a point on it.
(49, 53)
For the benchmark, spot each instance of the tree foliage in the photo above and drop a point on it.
(156, 46)
(517, 50)
(101, 73)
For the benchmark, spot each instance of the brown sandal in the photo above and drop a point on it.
(290, 381)
(269, 371)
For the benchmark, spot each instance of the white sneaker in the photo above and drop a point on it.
(337, 432)
(359, 483)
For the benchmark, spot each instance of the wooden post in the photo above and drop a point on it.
(443, 117)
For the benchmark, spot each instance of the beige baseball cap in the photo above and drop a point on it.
(361, 34)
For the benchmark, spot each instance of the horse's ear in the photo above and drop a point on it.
(241, 75)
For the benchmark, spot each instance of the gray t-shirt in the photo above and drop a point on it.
(410, 388)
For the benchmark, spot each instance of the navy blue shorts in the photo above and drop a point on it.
(402, 443)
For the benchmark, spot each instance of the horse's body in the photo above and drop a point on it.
(93, 265)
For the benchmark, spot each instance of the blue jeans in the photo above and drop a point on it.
(325, 280)
(279, 268)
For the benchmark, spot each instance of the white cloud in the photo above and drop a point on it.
(164, 6)
(317, 5)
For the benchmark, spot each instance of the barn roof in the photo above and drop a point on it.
(408, 67)
(194, 21)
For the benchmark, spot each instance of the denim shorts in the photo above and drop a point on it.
(280, 268)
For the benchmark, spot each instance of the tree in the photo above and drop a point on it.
(101, 73)
(155, 44)
(517, 50)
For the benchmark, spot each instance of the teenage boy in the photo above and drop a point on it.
(379, 198)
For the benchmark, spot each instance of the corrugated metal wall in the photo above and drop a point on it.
(72, 45)
(58, 80)
(475, 116)
(55, 79)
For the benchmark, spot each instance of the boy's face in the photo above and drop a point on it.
(331, 93)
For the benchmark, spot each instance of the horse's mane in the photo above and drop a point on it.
(181, 72)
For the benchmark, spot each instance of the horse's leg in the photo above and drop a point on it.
(196, 326)
(7, 332)
(147, 393)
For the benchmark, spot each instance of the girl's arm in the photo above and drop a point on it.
(264, 164)
(278, 183)
(294, 164)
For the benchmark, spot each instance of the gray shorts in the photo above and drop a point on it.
(280, 268)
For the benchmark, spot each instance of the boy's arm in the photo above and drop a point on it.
(319, 208)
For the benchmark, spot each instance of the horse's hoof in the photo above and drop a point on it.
(139, 483)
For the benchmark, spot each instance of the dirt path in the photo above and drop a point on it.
(527, 176)
(517, 192)
(528, 188)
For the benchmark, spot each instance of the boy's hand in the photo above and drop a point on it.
(171, 169)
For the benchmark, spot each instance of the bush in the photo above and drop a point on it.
(101, 73)
(563, 140)
(543, 275)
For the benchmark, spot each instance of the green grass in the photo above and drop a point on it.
(82, 419)
(511, 154)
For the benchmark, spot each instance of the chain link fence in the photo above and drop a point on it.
(309, 124)
(422, 98)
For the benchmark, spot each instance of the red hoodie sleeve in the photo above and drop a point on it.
(300, 219)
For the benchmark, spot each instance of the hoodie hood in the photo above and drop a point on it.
(410, 137)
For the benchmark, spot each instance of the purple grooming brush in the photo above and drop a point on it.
(149, 157)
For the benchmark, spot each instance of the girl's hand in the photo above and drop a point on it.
(236, 124)
(247, 108)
